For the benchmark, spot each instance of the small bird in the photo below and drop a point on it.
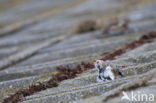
(106, 71)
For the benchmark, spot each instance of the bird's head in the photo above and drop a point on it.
(99, 64)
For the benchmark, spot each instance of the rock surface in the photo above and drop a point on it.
(36, 36)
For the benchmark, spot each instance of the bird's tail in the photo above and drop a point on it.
(120, 73)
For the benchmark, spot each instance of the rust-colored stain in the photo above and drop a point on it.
(68, 72)
(116, 25)
(86, 26)
(144, 39)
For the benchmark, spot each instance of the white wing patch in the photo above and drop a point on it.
(110, 73)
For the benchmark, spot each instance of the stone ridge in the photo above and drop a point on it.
(47, 48)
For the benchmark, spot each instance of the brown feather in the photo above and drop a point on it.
(115, 72)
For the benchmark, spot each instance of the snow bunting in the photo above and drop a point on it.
(106, 71)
